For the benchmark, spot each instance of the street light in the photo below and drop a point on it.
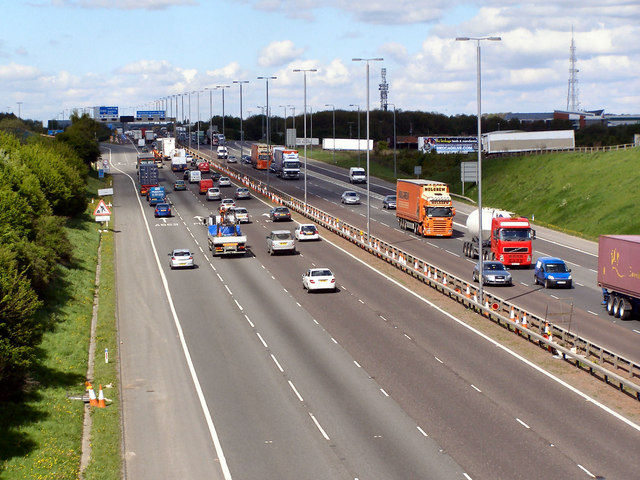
(293, 118)
(334, 130)
(479, 102)
(304, 72)
(240, 82)
(266, 79)
(354, 105)
(223, 87)
(19, 103)
(285, 124)
(210, 117)
(367, 60)
(198, 124)
(395, 174)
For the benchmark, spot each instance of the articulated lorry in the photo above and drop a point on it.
(147, 176)
(286, 163)
(260, 156)
(619, 274)
(425, 207)
(506, 239)
(224, 236)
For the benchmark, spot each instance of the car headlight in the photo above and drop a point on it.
(551, 277)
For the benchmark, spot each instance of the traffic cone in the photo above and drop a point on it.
(524, 321)
(101, 403)
(444, 280)
(93, 401)
(512, 315)
(435, 275)
(468, 292)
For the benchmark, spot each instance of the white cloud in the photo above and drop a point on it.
(395, 51)
(14, 71)
(124, 4)
(278, 53)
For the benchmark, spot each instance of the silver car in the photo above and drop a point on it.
(242, 192)
(224, 182)
(493, 273)
(181, 258)
(213, 193)
(280, 241)
(350, 197)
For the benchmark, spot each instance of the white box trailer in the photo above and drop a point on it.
(346, 144)
(512, 142)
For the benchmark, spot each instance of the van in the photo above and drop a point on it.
(552, 272)
(357, 175)
(205, 184)
(194, 176)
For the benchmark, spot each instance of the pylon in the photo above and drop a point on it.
(428, 273)
(468, 292)
(444, 280)
(524, 320)
(435, 275)
(475, 297)
(93, 401)
(512, 315)
(101, 403)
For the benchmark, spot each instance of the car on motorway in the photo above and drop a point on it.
(306, 231)
(162, 210)
(389, 202)
(226, 204)
(232, 159)
(213, 193)
(215, 176)
(224, 182)
(319, 279)
(181, 258)
(552, 272)
(280, 241)
(179, 185)
(350, 197)
(242, 193)
(280, 214)
(246, 159)
(493, 273)
(242, 214)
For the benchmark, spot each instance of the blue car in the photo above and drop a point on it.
(163, 210)
(552, 272)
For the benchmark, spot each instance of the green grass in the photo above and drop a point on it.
(586, 194)
(43, 433)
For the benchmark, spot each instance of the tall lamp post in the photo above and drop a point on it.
(240, 83)
(293, 119)
(211, 89)
(198, 124)
(222, 87)
(334, 130)
(304, 72)
(354, 105)
(479, 102)
(367, 60)
(189, 93)
(266, 79)
(395, 174)
(19, 103)
(285, 124)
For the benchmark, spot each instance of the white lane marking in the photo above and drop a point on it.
(522, 423)
(361, 301)
(408, 336)
(586, 471)
(277, 363)
(592, 313)
(239, 306)
(439, 360)
(382, 318)
(421, 431)
(334, 340)
(324, 434)
(227, 287)
(295, 390)
(466, 476)
(454, 254)
(384, 393)
(476, 388)
(262, 340)
(637, 331)
(219, 277)
(492, 341)
(250, 322)
(357, 364)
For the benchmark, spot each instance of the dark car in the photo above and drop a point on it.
(215, 176)
(493, 273)
(246, 159)
(179, 185)
(163, 210)
(389, 202)
(185, 175)
(280, 214)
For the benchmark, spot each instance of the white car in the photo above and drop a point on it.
(306, 231)
(350, 197)
(319, 279)
(242, 192)
(226, 204)
(224, 182)
(213, 193)
(241, 214)
(181, 258)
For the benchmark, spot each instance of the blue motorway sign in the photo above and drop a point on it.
(150, 113)
(109, 111)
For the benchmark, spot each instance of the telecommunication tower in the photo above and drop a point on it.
(384, 90)
(573, 103)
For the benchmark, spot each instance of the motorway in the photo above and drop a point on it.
(231, 370)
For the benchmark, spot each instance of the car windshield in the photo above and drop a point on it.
(283, 236)
(439, 212)
(321, 273)
(182, 253)
(493, 266)
(242, 211)
(556, 268)
(350, 194)
(391, 198)
(515, 234)
(308, 228)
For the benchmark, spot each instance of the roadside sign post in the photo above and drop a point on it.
(102, 213)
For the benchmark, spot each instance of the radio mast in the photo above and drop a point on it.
(573, 103)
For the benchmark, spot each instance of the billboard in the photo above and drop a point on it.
(447, 144)
(108, 111)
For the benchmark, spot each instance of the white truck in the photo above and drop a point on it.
(224, 235)
(357, 175)
(141, 142)
(167, 147)
(223, 153)
(149, 136)
(286, 163)
(178, 164)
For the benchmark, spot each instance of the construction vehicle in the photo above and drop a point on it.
(225, 236)
(425, 207)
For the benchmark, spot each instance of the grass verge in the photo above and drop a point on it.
(43, 433)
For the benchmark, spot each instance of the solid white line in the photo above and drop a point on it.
(494, 342)
(476, 388)
(421, 431)
(277, 363)
(586, 471)
(262, 340)
(324, 434)
(522, 423)
(295, 390)
(185, 349)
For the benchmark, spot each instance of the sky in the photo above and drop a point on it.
(59, 55)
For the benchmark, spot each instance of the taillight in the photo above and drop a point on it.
(312, 280)
(333, 280)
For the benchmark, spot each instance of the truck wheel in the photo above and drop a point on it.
(624, 309)
(610, 302)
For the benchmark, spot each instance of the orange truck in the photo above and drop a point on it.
(260, 156)
(425, 207)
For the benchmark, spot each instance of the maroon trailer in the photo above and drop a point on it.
(619, 274)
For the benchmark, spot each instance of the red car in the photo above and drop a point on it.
(204, 167)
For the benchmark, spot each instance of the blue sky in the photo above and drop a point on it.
(56, 55)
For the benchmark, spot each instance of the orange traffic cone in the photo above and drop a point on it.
(468, 292)
(93, 401)
(524, 320)
(101, 403)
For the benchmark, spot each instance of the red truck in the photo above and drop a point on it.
(425, 207)
(506, 239)
(619, 274)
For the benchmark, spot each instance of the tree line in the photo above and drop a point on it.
(43, 183)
